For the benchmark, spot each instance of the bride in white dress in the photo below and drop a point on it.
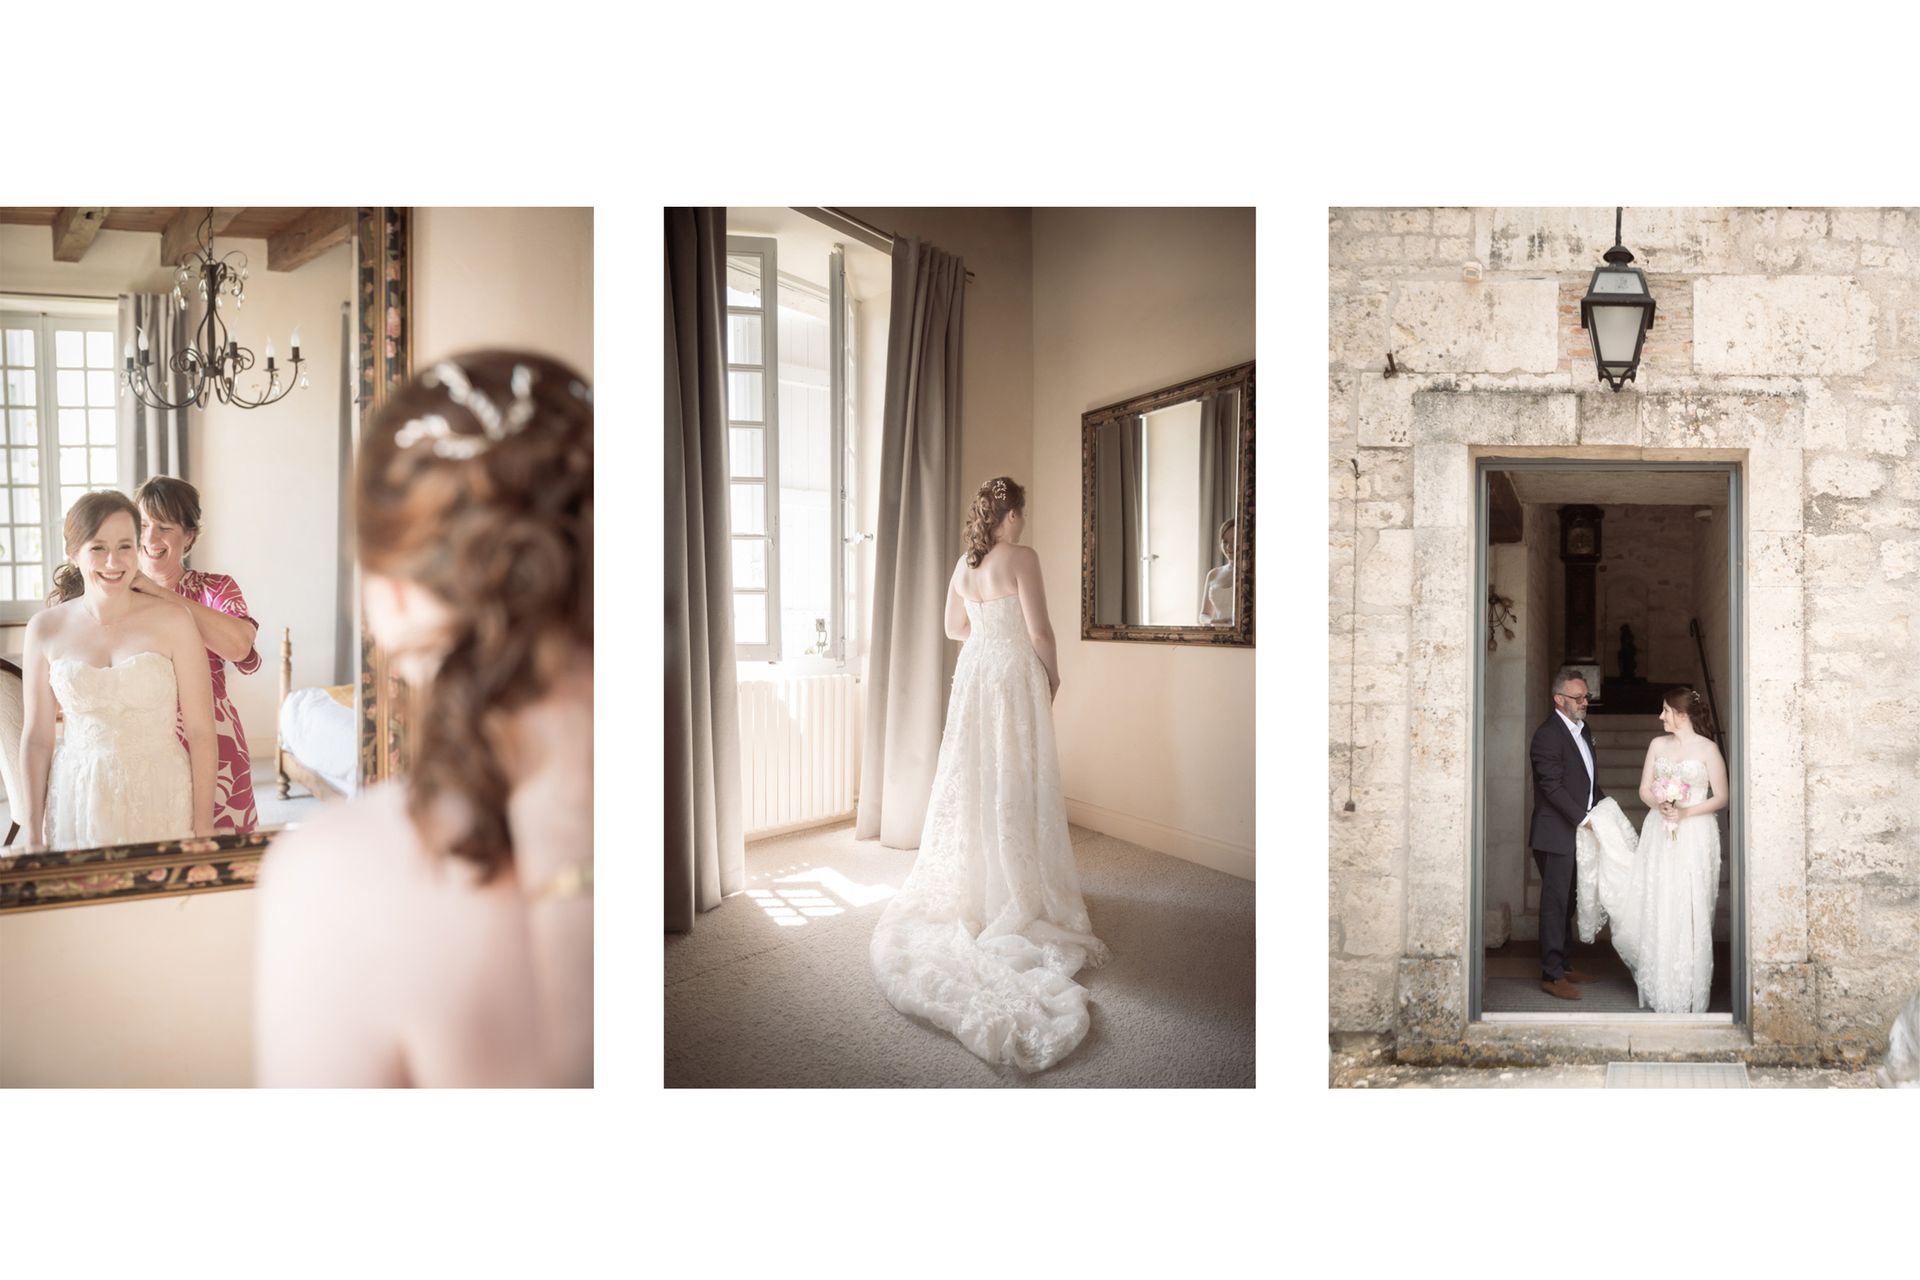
(1658, 889)
(135, 760)
(986, 934)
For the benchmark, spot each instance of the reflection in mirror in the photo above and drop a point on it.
(151, 524)
(1166, 482)
(1166, 493)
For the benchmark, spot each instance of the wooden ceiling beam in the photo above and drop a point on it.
(182, 235)
(307, 237)
(73, 232)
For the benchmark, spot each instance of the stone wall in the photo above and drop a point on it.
(1788, 341)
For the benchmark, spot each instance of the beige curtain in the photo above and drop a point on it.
(153, 442)
(1116, 524)
(1219, 499)
(706, 850)
(916, 543)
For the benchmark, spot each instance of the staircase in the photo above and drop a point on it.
(1620, 750)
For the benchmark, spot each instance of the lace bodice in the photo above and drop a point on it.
(119, 773)
(129, 705)
(1692, 772)
(1000, 618)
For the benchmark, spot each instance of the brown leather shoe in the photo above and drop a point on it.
(1575, 975)
(1562, 988)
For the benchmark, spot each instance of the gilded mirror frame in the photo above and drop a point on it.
(1240, 634)
(382, 240)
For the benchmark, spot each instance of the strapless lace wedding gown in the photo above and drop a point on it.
(986, 934)
(119, 774)
(1657, 890)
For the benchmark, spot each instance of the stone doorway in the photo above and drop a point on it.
(1629, 570)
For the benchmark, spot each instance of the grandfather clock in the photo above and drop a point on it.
(1580, 554)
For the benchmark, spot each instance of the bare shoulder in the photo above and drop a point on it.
(354, 843)
(49, 621)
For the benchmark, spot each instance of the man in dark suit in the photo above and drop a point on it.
(1566, 786)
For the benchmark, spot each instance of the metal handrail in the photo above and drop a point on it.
(1713, 706)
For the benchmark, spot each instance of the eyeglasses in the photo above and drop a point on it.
(1585, 697)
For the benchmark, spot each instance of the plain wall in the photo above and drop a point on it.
(503, 278)
(1156, 740)
(129, 994)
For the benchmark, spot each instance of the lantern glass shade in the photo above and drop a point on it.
(1616, 314)
(1616, 334)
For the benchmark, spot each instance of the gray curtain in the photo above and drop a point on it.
(706, 850)
(1219, 500)
(916, 541)
(1116, 524)
(154, 441)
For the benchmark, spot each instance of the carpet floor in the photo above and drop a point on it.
(772, 987)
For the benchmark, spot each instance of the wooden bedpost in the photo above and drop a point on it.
(286, 687)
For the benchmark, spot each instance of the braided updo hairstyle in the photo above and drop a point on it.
(991, 502)
(1687, 701)
(475, 482)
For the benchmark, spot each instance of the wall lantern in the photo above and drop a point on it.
(1616, 313)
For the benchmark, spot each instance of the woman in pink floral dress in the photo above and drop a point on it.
(170, 522)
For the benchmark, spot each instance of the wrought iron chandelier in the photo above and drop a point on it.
(214, 361)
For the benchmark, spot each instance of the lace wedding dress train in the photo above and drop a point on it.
(119, 774)
(1657, 891)
(986, 934)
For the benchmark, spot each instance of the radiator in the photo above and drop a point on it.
(799, 754)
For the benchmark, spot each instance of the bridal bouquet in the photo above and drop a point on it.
(1665, 789)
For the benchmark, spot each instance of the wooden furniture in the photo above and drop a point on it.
(13, 713)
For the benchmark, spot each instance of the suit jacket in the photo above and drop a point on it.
(1560, 785)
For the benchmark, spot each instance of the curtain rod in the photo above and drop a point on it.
(856, 225)
(65, 297)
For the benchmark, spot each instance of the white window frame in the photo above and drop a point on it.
(768, 367)
(840, 323)
(47, 416)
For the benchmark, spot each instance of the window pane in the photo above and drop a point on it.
(73, 426)
(743, 280)
(20, 386)
(26, 544)
(750, 509)
(73, 466)
(22, 427)
(747, 451)
(25, 466)
(744, 398)
(28, 585)
(19, 350)
(105, 467)
(69, 348)
(749, 619)
(6, 505)
(743, 340)
(100, 349)
(100, 388)
(26, 505)
(750, 562)
(100, 427)
(72, 386)
(70, 495)
(6, 546)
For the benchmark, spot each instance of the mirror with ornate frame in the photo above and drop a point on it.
(366, 359)
(1167, 514)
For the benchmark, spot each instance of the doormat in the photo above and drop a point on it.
(1677, 1075)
